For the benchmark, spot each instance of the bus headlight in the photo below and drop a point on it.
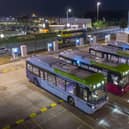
(93, 107)
(115, 82)
(122, 90)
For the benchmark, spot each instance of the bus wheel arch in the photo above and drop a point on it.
(70, 100)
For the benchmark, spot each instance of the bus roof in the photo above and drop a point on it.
(111, 50)
(57, 66)
(82, 56)
(119, 44)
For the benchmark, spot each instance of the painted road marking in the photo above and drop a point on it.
(7, 127)
(44, 109)
(53, 105)
(33, 115)
(20, 121)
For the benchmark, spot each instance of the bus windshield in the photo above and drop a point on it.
(124, 81)
(97, 95)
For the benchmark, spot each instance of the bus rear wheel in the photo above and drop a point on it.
(71, 101)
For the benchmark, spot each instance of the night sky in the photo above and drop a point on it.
(57, 7)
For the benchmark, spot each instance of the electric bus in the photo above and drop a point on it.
(83, 89)
(117, 75)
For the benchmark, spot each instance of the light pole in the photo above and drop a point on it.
(67, 15)
(98, 4)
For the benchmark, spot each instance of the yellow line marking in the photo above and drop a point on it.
(61, 101)
(32, 115)
(5, 70)
(53, 105)
(20, 121)
(44, 109)
(6, 127)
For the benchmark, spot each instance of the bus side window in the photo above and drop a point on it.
(60, 83)
(42, 74)
(51, 78)
(45, 75)
(29, 67)
(85, 95)
(71, 87)
(36, 71)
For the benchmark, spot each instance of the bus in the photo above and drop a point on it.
(83, 89)
(110, 54)
(67, 38)
(117, 75)
(119, 44)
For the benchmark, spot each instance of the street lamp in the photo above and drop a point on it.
(2, 36)
(98, 4)
(67, 14)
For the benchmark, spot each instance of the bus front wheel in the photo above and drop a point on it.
(71, 101)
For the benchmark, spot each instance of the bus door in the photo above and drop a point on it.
(82, 94)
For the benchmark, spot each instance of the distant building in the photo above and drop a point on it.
(57, 23)
(76, 21)
(8, 20)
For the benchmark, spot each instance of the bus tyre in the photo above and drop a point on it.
(71, 101)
